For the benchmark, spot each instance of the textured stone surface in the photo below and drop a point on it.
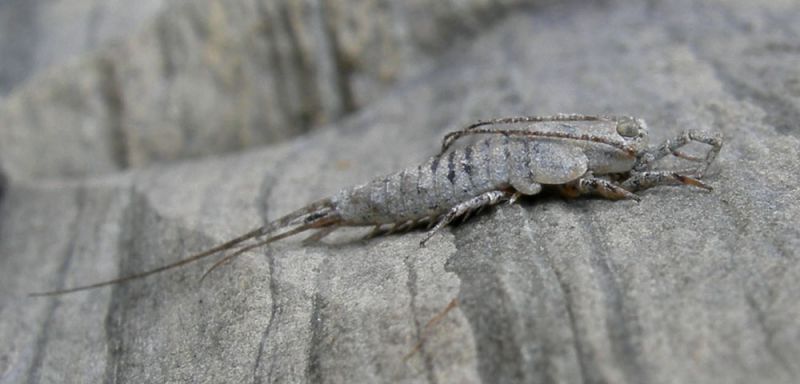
(212, 76)
(685, 286)
(37, 34)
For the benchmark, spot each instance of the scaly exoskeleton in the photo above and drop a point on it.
(578, 154)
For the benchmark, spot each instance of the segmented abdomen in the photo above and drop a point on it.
(433, 187)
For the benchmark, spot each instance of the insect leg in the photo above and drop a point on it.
(319, 235)
(644, 180)
(376, 230)
(597, 186)
(402, 226)
(488, 198)
(671, 147)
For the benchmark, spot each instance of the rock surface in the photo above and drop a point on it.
(35, 35)
(685, 286)
(214, 76)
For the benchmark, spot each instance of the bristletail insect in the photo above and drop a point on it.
(511, 157)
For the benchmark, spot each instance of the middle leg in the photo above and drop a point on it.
(482, 200)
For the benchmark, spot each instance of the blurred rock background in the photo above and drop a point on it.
(134, 133)
(124, 84)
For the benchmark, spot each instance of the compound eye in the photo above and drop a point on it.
(628, 128)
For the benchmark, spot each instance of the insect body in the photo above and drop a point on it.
(578, 154)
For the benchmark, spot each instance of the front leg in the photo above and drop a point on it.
(672, 147)
(643, 180)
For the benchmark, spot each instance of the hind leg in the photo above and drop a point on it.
(480, 201)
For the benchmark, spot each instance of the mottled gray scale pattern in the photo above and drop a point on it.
(428, 194)
(371, 199)
(519, 171)
(409, 189)
(440, 183)
(434, 187)
(466, 164)
(605, 160)
(368, 203)
(555, 162)
(498, 160)
(443, 185)
(571, 128)
(481, 165)
(451, 167)
(531, 150)
(377, 199)
(353, 203)
(462, 186)
(394, 200)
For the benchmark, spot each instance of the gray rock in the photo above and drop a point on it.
(35, 35)
(206, 77)
(3, 182)
(686, 286)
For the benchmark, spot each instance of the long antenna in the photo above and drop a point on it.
(222, 247)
